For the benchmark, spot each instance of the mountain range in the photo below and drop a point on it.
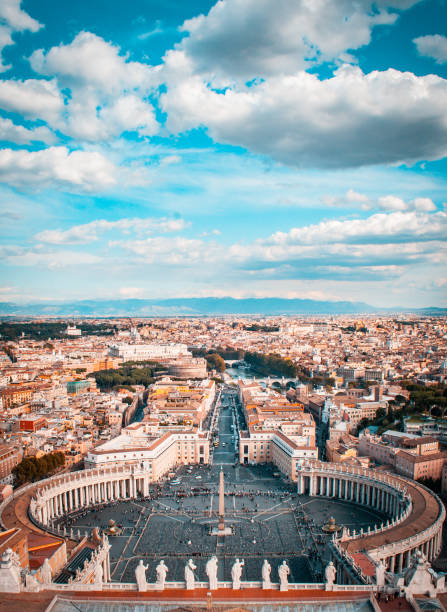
(199, 307)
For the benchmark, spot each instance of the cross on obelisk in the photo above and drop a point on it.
(221, 502)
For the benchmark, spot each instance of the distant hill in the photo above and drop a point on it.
(197, 307)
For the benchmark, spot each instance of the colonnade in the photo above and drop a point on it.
(369, 493)
(389, 494)
(62, 495)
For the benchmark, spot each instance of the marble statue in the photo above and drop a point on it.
(10, 581)
(31, 583)
(98, 575)
(211, 572)
(161, 571)
(236, 573)
(45, 572)
(266, 569)
(140, 575)
(380, 573)
(283, 573)
(189, 574)
(329, 574)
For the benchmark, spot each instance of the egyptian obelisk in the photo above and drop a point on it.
(221, 502)
(221, 529)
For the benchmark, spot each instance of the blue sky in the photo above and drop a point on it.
(163, 148)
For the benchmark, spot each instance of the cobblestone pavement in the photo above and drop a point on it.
(269, 521)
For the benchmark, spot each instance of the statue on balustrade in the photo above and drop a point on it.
(161, 571)
(45, 572)
(98, 575)
(211, 572)
(140, 575)
(330, 574)
(266, 569)
(236, 573)
(380, 573)
(189, 574)
(283, 573)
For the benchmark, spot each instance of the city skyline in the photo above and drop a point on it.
(241, 148)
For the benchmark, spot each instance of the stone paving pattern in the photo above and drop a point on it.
(268, 518)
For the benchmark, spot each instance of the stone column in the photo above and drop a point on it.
(407, 556)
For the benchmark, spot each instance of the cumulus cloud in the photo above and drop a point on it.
(20, 256)
(434, 46)
(32, 98)
(393, 227)
(91, 61)
(350, 198)
(352, 119)
(387, 202)
(76, 170)
(246, 39)
(359, 249)
(108, 93)
(11, 132)
(132, 292)
(13, 19)
(16, 18)
(391, 202)
(89, 232)
(176, 251)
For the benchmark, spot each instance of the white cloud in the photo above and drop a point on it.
(246, 39)
(78, 170)
(391, 202)
(434, 46)
(20, 256)
(350, 198)
(132, 292)
(177, 251)
(352, 119)
(16, 18)
(13, 19)
(89, 232)
(355, 250)
(11, 132)
(91, 61)
(392, 227)
(32, 98)
(387, 202)
(108, 93)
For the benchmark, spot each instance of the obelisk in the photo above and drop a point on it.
(221, 502)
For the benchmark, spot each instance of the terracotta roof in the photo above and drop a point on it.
(424, 513)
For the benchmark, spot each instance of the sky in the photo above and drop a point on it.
(244, 148)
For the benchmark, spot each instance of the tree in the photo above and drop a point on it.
(31, 469)
(127, 400)
(215, 362)
(363, 424)
(380, 414)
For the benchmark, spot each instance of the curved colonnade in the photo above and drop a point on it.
(61, 495)
(416, 514)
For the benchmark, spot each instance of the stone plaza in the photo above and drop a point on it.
(268, 519)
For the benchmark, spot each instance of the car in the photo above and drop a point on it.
(198, 477)
(224, 443)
